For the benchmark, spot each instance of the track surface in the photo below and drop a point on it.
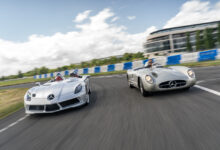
(120, 118)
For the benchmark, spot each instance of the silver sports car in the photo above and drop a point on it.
(160, 78)
(57, 95)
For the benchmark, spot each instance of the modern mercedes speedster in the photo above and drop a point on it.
(160, 78)
(55, 95)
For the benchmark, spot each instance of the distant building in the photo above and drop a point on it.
(174, 39)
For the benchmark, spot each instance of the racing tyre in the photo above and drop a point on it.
(129, 84)
(88, 100)
(143, 92)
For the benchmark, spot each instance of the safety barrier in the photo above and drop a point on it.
(170, 60)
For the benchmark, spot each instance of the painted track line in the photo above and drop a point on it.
(208, 90)
(12, 124)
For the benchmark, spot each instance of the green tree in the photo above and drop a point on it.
(20, 75)
(64, 68)
(36, 71)
(218, 37)
(188, 43)
(138, 55)
(113, 60)
(43, 70)
(198, 41)
(127, 57)
(84, 64)
(208, 39)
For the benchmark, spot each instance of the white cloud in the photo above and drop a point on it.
(131, 17)
(114, 19)
(195, 11)
(96, 39)
(82, 16)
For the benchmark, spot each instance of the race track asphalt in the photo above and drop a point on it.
(119, 118)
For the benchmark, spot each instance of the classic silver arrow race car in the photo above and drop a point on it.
(55, 95)
(160, 78)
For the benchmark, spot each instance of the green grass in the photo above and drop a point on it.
(201, 64)
(11, 100)
(21, 81)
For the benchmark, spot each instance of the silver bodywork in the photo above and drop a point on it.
(164, 78)
(61, 93)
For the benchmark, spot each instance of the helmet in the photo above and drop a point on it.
(74, 74)
(58, 77)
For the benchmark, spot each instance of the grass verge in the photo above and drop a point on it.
(201, 64)
(11, 100)
(27, 80)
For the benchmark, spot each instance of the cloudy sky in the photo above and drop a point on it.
(56, 33)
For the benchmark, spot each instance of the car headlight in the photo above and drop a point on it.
(78, 89)
(28, 97)
(149, 79)
(191, 73)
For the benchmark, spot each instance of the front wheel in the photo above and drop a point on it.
(142, 90)
(88, 99)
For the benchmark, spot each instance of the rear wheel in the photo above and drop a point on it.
(129, 84)
(142, 90)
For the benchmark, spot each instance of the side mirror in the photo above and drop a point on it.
(38, 83)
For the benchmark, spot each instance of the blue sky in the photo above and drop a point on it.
(21, 18)
(52, 33)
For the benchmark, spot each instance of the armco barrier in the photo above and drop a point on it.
(137, 64)
(127, 65)
(66, 73)
(85, 70)
(111, 68)
(170, 60)
(51, 74)
(119, 66)
(218, 56)
(97, 69)
(173, 60)
(104, 68)
(144, 61)
(189, 57)
(161, 60)
(91, 70)
(208, 55)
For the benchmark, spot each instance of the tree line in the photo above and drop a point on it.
(94, 62)
(204, 40)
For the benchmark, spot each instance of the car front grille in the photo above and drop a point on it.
(69, 102)
(53, 107)
(36, 107)
(172, 84)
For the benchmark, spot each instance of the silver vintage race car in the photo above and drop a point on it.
(160, 78)
(57, 95)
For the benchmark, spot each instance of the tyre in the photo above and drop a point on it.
(142, 90)
(129, 84)
(88, 100)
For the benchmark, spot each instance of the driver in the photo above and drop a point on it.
(58, 77)
(149, 63)
(74, 74)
